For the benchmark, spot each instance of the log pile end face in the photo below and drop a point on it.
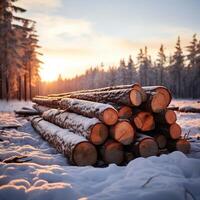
(135, 97)
(183, 145)
(170, 117)
(175, 131)
(110, 116)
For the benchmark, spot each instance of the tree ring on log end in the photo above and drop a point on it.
(124, 133)
(125, 112)
(99, 134)
(84, 154)
(114, 153)
(110, 116)
(170, 116)
(135, 97)
(158, 103)
(148, 147)
(175, 131)
(166, 93)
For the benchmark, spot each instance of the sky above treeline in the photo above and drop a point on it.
(78, 34)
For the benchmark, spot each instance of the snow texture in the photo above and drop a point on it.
(48, 176)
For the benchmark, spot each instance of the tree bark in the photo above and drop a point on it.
(104, 112)
(90, 128)
(79, 151)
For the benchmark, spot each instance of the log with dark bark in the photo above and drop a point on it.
(118, 87)
(79, 151)
(104, 112)
(162, 90)
(27, 112)
(144, 146)
(161, 140)
(189, 109)
(165, 117)
(172, 131)
(182, 145)
(130, 97)
(112, 152)
(122, 132)
(90, 128)
(143, 121)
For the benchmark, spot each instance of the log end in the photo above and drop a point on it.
(110, 116)
(124, 132)
(113, 153)
(158, 103)
(84, 154)
(99, 134)
(161, 141)
(183, 145)
(135, 97)
(148, 147)
(175, 131)
(125, 112)
(170, 117)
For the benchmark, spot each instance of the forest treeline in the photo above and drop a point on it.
(179, 72)
(19, 63)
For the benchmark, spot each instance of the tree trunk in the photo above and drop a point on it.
(19, 89)
(129, 97)
(25, 87)
(90, 128)
(123, 132)
(112, 152)
(103, 112)
(79, 151)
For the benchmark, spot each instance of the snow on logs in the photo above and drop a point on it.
(121, 122)
(79, 151)
(104, 112)
(90, 128)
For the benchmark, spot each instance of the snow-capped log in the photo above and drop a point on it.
(130, 97)
(144, 121)
(144, 146)
(182, 145)
(161, 90)
(104, 112)
(123, 132)
(79, 150)
(90, 128)
(165, 117)
(172, 131)
(155, 103)
(112, 152)
(52, 102)
(40, 108)
(135, 86)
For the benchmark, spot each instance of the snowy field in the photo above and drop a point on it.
(46, 175)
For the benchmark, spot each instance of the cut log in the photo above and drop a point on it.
(125, 112)
(40, 108)
(161, 90)
(172, 131)
(112, 152)
(189, 109)
(26, 112)
(104, 112)
(130, 97)
(123, 132)
(155, 103)
(145, 146)
(79, 151)
(135, 86)
(90, 128)
(161, 140)
(48, 102)
(143, 121)
(165, 117)
(182, 145)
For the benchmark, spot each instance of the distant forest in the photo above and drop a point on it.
(19, 63)
(179, 72)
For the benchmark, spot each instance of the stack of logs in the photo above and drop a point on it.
(109, 125)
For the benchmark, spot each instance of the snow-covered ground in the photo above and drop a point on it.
(45, 174)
